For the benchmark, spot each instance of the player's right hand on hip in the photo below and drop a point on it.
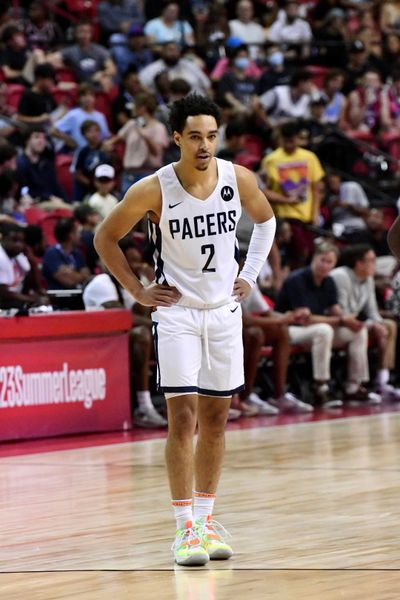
(158, 295)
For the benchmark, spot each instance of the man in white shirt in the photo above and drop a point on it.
(290, 29)
(246, 29)
(286, 102)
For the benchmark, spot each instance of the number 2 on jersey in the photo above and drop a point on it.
(210, 250)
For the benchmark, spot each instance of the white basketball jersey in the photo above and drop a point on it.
(195, 246)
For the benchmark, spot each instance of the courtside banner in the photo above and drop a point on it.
(53, 387)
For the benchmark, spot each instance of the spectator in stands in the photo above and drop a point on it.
(357, 298)
(88, 219)
(286, 102)
(90, 62)
(291, 30)
(364, 107)
(330, 40)
(295, 173)
(375, 233)
(325, 326)
(14, 54)
(68, 128)
(348, 205)
(235, 136)
(389, 16)
(89, 157)
(40, 31)
(103, 200)
(133, 53)
(177, 67)
(224, 63)
(356, 66)
(36, 169)
(235, 88)
(145, 140)
(264, 327)
(105, 291)
(8, 127)
(336, 101)
(8, 155)
(169, 28)
(63, 265)
(390, 116)
(124, 105)
(116, 16)
(276, 73)
(37, 103)
(19, 280)
(246, 28)
(391, 54)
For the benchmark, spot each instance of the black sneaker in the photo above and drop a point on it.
(323, 397)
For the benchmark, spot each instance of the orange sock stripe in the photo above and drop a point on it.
(181, 503)
(203, 495)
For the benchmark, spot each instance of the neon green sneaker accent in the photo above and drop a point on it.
(187, 547)
(210, 532)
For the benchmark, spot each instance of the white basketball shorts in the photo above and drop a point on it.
(199, 351)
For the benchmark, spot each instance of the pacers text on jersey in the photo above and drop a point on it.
(19, 389)
(203, 225)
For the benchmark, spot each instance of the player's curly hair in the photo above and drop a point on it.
(190, 106)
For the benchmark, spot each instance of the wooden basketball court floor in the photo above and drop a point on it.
(313, 509)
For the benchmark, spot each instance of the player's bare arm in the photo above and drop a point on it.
(142, 198)
(260, 212)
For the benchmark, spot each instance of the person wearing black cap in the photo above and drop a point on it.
(356, 66)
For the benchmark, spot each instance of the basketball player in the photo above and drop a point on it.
(193, 207)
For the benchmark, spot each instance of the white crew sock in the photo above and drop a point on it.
(183, 511)
(144, 399)
(382, 377)
(203, 504)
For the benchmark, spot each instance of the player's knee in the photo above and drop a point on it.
(182, 420)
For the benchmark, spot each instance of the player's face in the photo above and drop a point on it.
(198, 140)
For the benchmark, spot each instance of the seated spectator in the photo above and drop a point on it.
(105, 291)
(63, 265)
(286, 102)
(14, 55)
(390, 116)
(224, 63)
(364, 107)
(8, 154)
(68, 128)
(235, 88)
(8, 127)
(291, 30)
(117, 16)
(131, 52)
(295, 174)
(88, 219)
(177, 67)
(391, 52)
(90, 62)
(235, 136)
(89, 157)
(357, 65)
(324, 325)
(357, 298)
(336, 101)
(348, 205)
(36, 168)
(145, 139)
(245, 27)
(40, 31)
(276, 73)
(264, 327)
(37, 103)
(169, 28)
(330, 40)
(124, 105)
(19, 280)
(103, 200)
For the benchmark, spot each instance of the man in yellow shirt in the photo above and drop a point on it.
(295, 174)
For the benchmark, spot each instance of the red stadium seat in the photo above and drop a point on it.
(14, 93)
(66, 74)
(49, 222)
(318, 74)
(34, 215)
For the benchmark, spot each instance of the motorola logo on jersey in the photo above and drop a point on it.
(203, 225)
(227, 193)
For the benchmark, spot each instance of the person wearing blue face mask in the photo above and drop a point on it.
(276, 72)
(236, 89)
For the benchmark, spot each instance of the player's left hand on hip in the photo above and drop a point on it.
(241, 289)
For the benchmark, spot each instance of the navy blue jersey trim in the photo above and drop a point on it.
(203, 392)
(187, 388)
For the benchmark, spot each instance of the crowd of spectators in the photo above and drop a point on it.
(310, 97)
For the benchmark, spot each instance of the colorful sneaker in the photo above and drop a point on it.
(211, 538)
(188, 548)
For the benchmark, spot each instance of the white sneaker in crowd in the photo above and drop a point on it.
(290, 403)
(389, 393)
(145, 416)
(264, 407)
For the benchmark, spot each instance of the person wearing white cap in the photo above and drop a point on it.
(103, 200)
